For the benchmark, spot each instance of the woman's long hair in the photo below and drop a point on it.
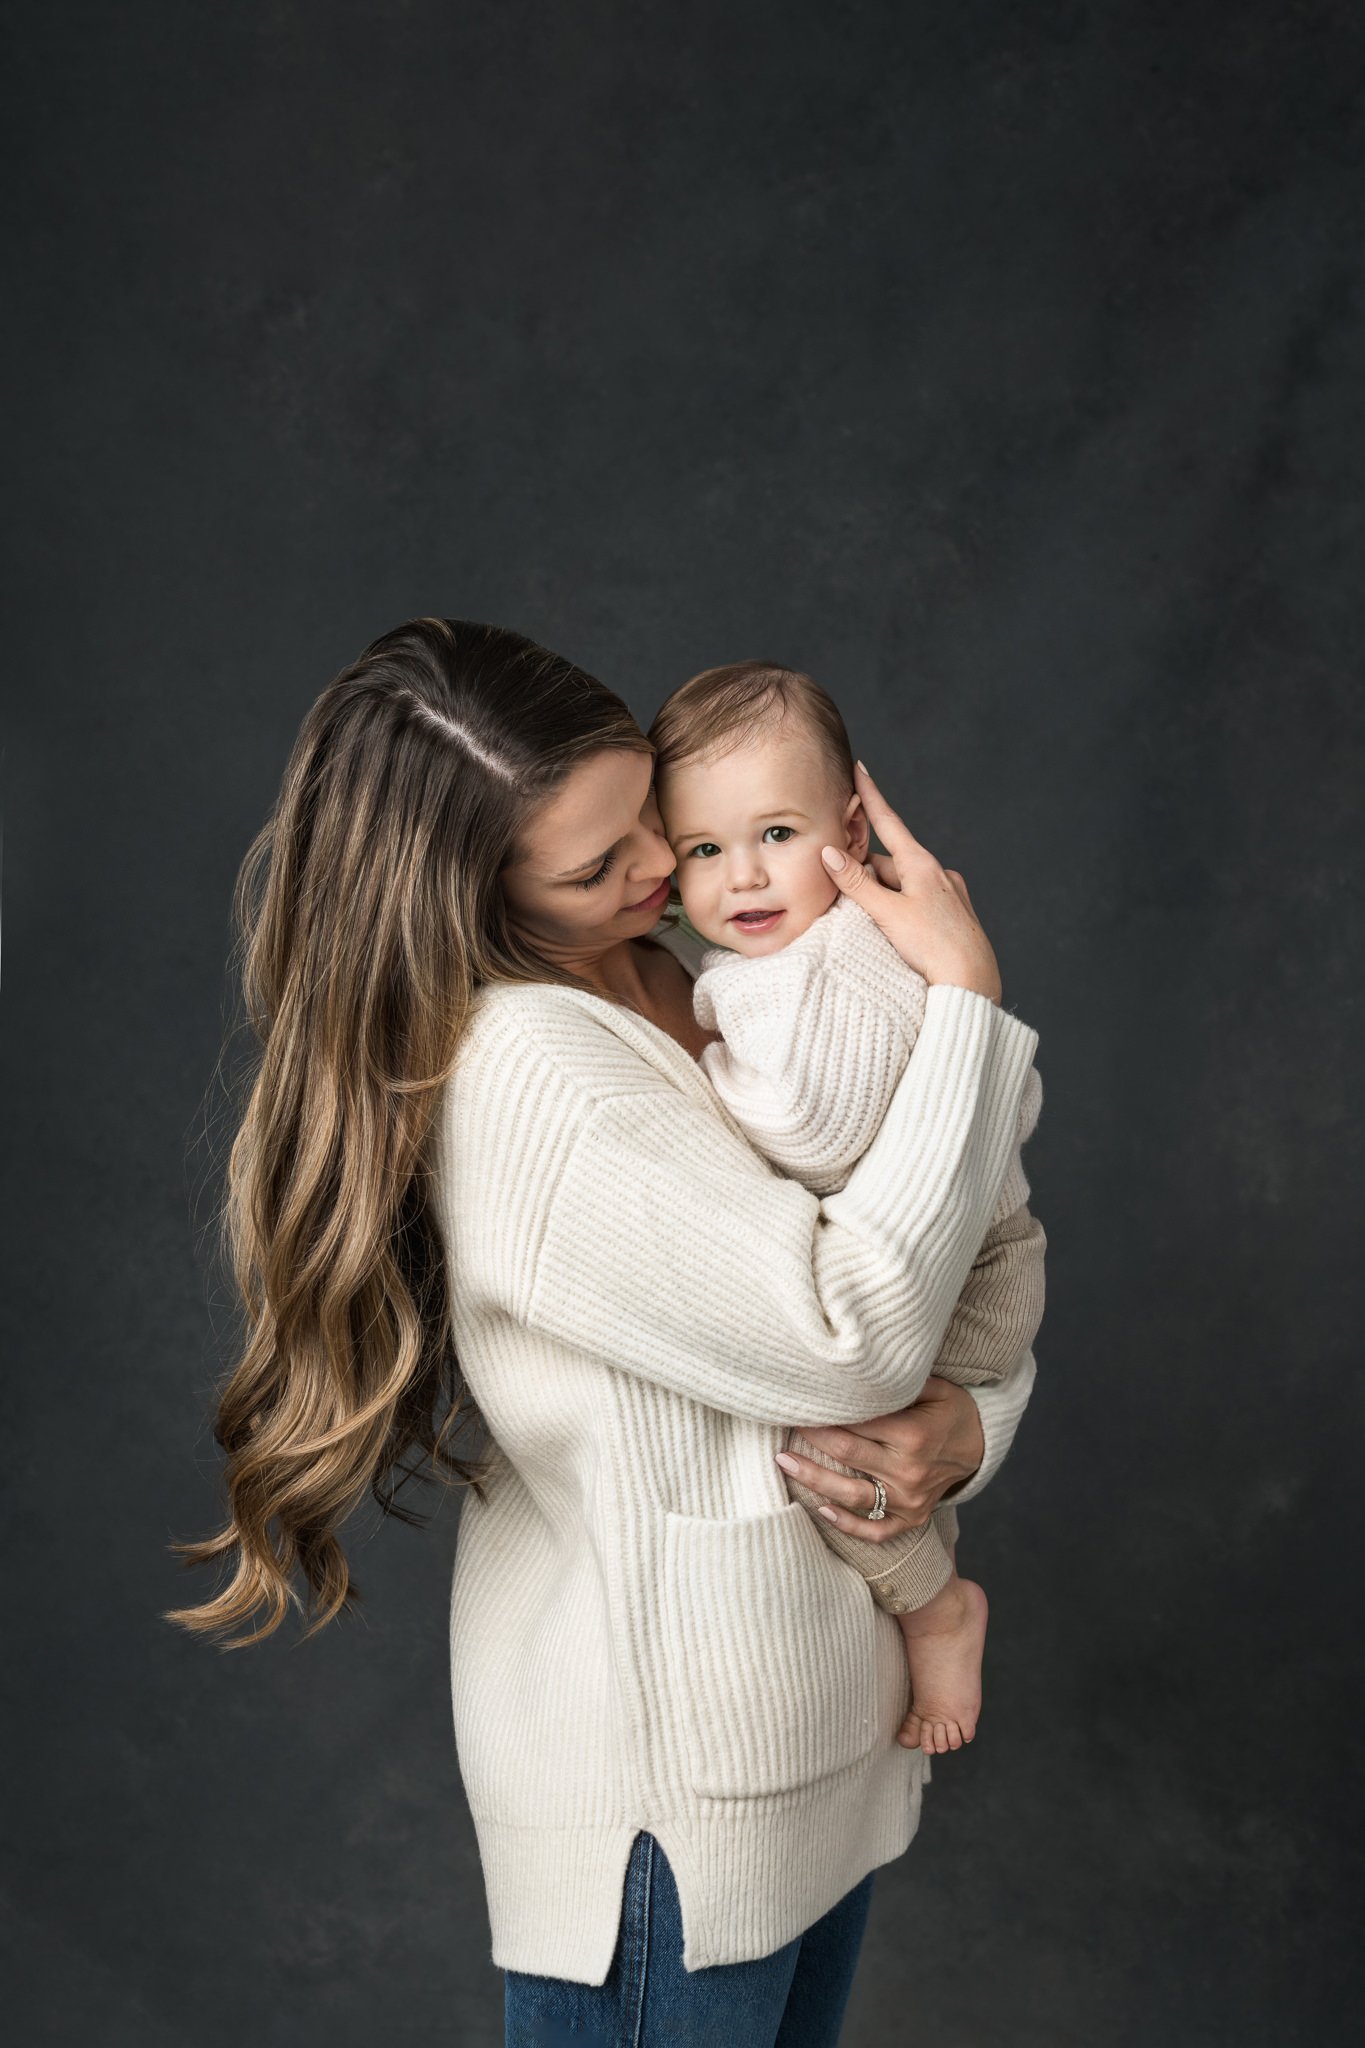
(367, 912)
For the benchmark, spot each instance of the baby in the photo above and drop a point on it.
(818, 1014)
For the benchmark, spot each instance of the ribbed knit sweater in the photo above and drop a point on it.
(646, 1631)
(815, 1037)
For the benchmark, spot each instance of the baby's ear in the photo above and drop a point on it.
(856, 825)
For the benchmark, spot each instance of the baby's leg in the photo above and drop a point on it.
(944, 1643)
(942, 1617)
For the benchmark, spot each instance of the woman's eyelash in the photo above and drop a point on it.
(591, 881)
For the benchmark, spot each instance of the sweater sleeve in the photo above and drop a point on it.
(996, 1318)
(783, 1306)
(1000, 1308)
(1014, 1191)
(814, 1040)
(1000, 1408)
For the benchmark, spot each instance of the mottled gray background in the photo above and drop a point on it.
(1002, 365)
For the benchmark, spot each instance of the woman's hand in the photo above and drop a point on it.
(918, 1453)
(925, 910)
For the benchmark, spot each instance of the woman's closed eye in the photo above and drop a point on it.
(591, 881)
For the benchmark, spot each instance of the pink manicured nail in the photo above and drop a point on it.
(829, 1514)
(832, 856)
(787, 1464)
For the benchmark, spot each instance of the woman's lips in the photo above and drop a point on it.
(656, 900)
(756, 920)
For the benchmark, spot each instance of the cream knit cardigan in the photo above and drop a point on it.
(646, 1631)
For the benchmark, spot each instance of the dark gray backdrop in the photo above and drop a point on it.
(1002, 366)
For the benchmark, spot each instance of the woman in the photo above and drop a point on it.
(480, 1139)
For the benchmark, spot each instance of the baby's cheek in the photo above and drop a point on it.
(699, 903)
(813, 894)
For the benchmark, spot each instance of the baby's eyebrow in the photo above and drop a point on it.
(763, 818)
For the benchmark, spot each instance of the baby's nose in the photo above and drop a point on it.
(746, 871)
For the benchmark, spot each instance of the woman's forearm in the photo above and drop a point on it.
(929, 1456)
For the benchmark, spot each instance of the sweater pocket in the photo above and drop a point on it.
(772, 1642)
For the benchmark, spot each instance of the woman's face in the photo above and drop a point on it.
(591, 865)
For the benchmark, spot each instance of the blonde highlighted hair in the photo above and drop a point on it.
(368, 911)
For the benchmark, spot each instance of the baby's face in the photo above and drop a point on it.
(747, 829)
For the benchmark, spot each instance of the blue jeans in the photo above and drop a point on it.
(794, 1998)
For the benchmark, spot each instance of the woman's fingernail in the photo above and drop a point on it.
(863, 766)
(831, 856)
(829, 1514)
(787, 1464)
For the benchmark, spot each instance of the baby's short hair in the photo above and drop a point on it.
(738, 702)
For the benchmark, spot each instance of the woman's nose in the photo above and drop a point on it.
(655, 851)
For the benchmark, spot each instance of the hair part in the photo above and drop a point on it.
(367, 913)
(728, 707)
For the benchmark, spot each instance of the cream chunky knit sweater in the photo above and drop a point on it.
(646, 1631)
(815, 1038)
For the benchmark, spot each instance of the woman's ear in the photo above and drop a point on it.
(857, 828)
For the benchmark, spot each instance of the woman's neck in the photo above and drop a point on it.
(623, 970)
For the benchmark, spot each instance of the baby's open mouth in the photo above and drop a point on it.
(755, 917)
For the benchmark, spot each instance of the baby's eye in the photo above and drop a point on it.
(704, 846)
(780, 828)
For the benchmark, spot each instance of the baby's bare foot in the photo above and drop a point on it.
(944, 1642)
